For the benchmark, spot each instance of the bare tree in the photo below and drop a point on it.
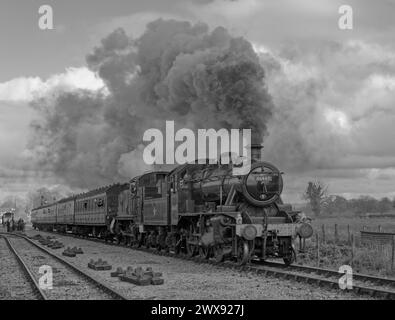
(315, 193)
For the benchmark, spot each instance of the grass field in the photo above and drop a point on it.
(373, 259)
(355, 224)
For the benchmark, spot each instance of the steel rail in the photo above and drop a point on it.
(26, 270)
(331, 272)
(112, 292)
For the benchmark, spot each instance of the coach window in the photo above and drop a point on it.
(100, 203)
(173, 184)
(133, 188)
(159, 186)
(121, 201)
(153, 191)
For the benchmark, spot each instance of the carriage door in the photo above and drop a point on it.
(140, 204)
(173, 200)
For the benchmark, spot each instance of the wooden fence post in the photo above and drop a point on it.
(352, 250)
(336, 234)
(302, 245)
(393, 253)
(348, 234)
(323, 233)
(317, 248)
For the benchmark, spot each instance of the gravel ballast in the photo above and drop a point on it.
(188, 279)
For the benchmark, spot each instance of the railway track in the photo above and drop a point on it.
(372, 280)
(372, 286)
(69, 281)
(23, 284)
(310, 275)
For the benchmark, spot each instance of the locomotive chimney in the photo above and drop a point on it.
(256, 147)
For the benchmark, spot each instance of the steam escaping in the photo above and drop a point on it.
(174, 71)
(45, 196)
(21, 206)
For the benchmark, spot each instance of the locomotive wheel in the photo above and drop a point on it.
(218, 253)
(243, 252)
(161, 242)
(143, 242)
(192, 249)
(204, 252)
(172, 243)
(125, 240)
(147, 243)
(153, 240)
(290, 258)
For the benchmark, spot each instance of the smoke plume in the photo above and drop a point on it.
(174, 71)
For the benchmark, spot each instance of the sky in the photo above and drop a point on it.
(333, 90)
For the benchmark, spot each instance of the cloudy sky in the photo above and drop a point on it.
(333, 90)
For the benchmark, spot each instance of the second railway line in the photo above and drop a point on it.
(19, 283)
(69, 282)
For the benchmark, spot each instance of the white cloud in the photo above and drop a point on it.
(338, 120)
(26, 89)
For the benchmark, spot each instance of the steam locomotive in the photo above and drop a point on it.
(6, 217)
(196, 209)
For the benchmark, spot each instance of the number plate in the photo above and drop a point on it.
(283, 229)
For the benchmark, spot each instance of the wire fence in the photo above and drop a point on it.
(369, 250)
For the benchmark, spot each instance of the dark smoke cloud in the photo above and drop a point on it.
(174, 71)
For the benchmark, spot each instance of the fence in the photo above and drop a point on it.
(366, 250)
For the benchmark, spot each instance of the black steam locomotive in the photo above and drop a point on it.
(196, 209)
